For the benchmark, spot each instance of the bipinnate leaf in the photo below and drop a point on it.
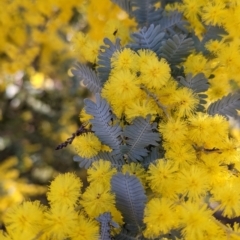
(148, 38)
(88, 76)
(155, 153)
(104, 58)
(226, 106)
(197, 83)
(176, 48)
(87, 162)
(139, 135)
(145, 12)
(106, 222)
(102, 126)
(173, 23)
(130, 199)
(212, 33)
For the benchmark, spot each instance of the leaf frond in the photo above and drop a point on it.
(226, 106)
(89, 77)
(104, 58)
(138, 136)
(102, 126)
(130, 198)
(176, 48)
(148, 38)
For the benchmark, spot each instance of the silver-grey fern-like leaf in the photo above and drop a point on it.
(139, 135)
(177, 48)
(155, 153)
(130, 198)
(147, 38)
(88, 76)
(106, 223)
(173, 23)
(145, 12)
(102, 126)
(87, 162)
(226, 106)
(212, 33)
(197, 83)
(104, 58)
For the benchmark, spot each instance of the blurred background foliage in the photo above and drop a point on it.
(39, 101)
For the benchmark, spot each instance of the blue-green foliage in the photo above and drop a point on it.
(177, 48)
(154, 154)
(199, 84)
(145, 12)
(106, 223)
(102, 123)
(139, 135)
(104, 58)
(130, 199)
(173, 23)
(212, 33)
(88, 76)
(86, 162)
(226, 106)
(148, 38)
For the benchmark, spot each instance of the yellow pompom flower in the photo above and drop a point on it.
(193, 182)
(208, 131)
(162, 178)
(228, 196)
(137, 170)
(140, 108)
(65, 189)
(159, 217)
(87, 145)
(101, 171)
(144, 57)
(213, 13)
(214, 46)
(197, 63)
(182, 154)
(155, 73)
(174, 130)
(185, 102)
(59, 221)
(197, 221)
(124, 60)
(124, 86)
(86, 229)
(97, 199)
(25, 218)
